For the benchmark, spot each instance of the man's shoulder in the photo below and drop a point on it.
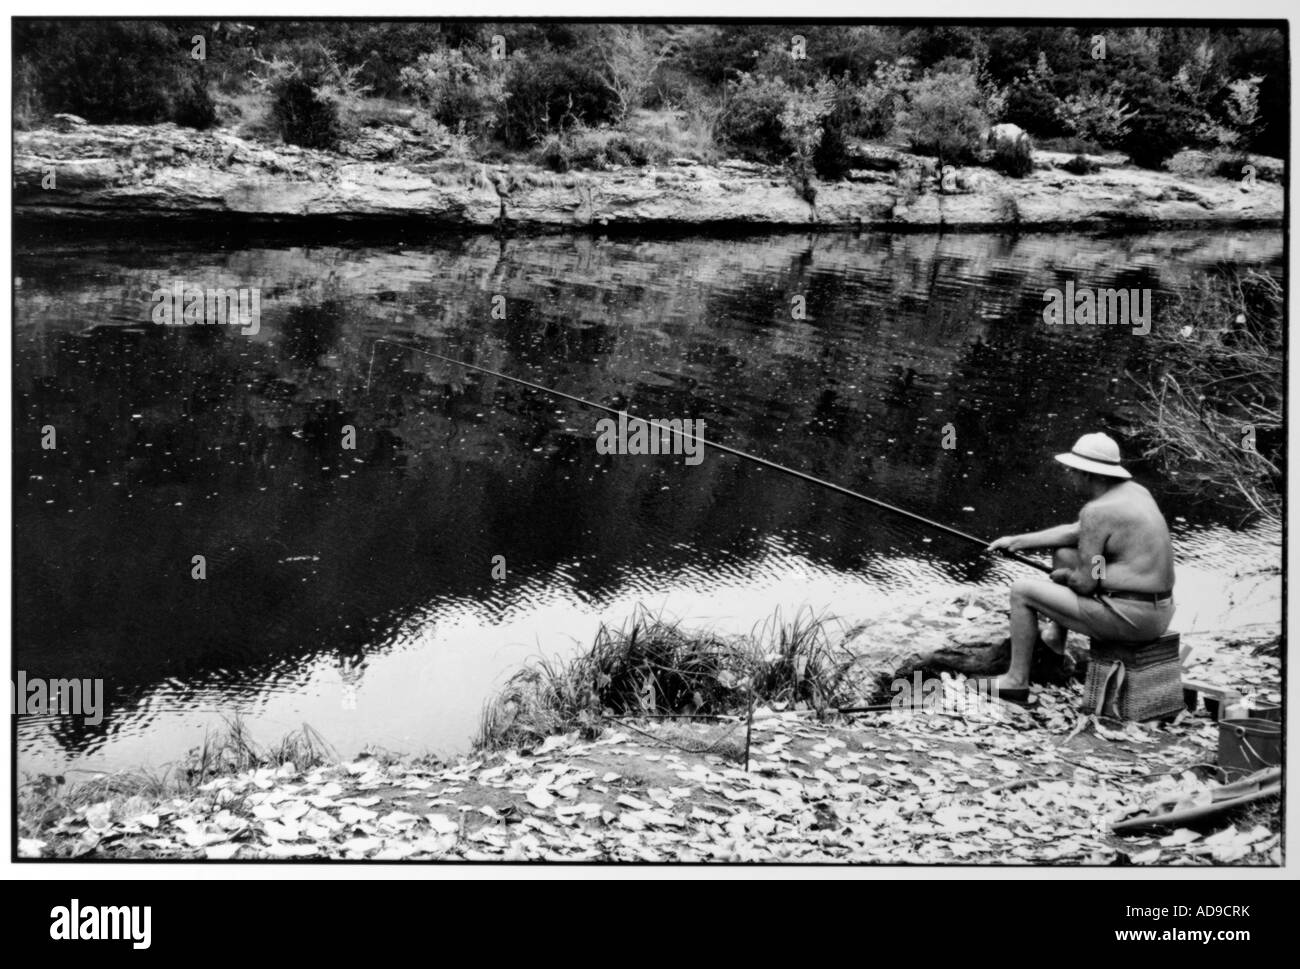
(1133, 488)
(1122, 500)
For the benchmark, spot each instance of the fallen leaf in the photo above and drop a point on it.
(441, 824)
(351, 814)
(540, 797)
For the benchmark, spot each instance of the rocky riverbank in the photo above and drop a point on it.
(76, 170)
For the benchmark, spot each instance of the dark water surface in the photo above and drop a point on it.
(352, 590)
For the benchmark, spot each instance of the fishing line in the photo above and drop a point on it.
(727, 449)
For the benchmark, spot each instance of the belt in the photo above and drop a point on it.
(1152, 597)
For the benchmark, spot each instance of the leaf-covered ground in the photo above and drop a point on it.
(995, 785)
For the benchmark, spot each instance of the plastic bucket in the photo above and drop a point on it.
(1248, 744)
(1264, 710)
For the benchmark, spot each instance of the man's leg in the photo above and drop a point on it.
(1055, 633)
(1031, 598)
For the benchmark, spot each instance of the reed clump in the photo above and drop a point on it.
(653, 667)
(44, 798)
(233, 751)
(1214, 389)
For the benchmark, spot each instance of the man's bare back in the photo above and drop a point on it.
(1125, 527)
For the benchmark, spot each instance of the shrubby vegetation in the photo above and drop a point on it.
(309, 92)
(583, 147)
(582, 95)
(1214, 389)
(550, 91)
(459, 88)
(944, 116)
(1097, 117)
(110, 71)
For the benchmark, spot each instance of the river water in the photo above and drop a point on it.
(353, 589)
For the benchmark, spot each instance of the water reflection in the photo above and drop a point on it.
(352, 589)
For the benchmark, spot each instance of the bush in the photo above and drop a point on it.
(301, 117)
(193, 108)
(1160, 142)
(832, 159)
(750, 122)
(697, 133)
(718, 55)
(944, 116)
(1081, 165)
(1162, 125)
(1239, 127)
(880, 99)
(1013, 158)
(111, 72)
(582, 147)
(626, 61)
(1230, 165)
(1100, 117)
(806, 128)
(551, 91)
(853, 53)
(381, 49)
(312, 96)
(458, 89)
(931, 45)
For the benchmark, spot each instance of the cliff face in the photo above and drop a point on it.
(164, 171)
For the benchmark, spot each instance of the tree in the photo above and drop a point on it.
(803, 128)
(627, 62)
(944, 116)
(1241, 111)
(1031, 100)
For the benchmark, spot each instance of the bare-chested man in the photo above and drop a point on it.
(1112, 570)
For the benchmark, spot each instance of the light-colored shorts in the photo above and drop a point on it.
(1105, 618)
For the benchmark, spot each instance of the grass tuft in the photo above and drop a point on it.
(234, 750)
(43, 799)
(651, 666)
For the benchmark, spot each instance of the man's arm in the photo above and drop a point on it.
(1086, 579)
(1062, 536)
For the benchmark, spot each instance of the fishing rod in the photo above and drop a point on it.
(727, 449)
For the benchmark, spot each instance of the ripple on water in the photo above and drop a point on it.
(356, 595)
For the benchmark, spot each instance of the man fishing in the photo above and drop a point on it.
(1112, 570)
